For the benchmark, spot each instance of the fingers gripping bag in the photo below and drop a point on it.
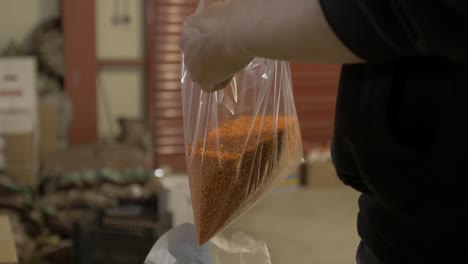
(241, 142)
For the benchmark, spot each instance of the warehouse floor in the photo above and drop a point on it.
(306, 226)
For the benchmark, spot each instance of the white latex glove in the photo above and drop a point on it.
(223, 38)
(210, 52)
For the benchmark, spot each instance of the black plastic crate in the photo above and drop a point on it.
(117, 237)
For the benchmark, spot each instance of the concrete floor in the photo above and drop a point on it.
(313, 226)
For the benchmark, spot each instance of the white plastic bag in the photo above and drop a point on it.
(180, 246)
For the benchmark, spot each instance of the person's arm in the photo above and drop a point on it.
(293, 30)
(223, 38)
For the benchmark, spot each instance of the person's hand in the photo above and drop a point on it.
(211, 53)
(222, 39)
(179, 246)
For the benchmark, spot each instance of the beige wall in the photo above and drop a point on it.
(121, 41)
(119, 95)
(19, 17)
(120, 91)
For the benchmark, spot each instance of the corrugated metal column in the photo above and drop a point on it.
(315, 90)
(165, 108)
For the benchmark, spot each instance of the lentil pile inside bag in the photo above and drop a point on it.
(241, 142)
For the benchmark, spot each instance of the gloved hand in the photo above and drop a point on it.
(179, 246)
(223, 38)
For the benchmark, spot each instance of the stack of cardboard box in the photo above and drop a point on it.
(2, 153)
(29, 129)
(48, 129)
(22, 158)
(18, 118)
(7, 243)
(320, 170)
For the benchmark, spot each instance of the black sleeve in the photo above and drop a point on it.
(378, 30)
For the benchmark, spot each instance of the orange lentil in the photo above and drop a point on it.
(235, 164)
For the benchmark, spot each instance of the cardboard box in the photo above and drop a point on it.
(18, 83)
(21, 147)
(48, 117)
(23, 173)
(29, 147)
(17, 122)
(2, 153)
(322, 174)
(7, 244)
(22, 161)
(18, 94)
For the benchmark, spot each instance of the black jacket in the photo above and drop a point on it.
(401, 128)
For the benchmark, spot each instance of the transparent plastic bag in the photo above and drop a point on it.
(241, 142)
(238, 249)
